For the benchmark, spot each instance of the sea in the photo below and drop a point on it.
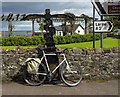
(16, 33)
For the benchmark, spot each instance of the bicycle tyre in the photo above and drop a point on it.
(72, 76)
(40, 78)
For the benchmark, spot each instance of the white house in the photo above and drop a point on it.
(59, 30)
(78, 29)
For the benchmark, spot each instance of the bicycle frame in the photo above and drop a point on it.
(67, 68)
(44, 57)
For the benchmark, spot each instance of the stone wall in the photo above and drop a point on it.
(96, 63)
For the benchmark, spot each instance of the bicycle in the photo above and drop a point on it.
(71, 72)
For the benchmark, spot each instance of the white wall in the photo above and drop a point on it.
(80, 31)
(59, 33)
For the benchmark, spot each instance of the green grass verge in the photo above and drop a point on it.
(14, 47)
(107, 43)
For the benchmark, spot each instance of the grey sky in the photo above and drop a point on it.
(39, 7)
(45, 1)
(77, 8)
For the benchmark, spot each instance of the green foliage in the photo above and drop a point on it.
(76, 38)
(55, 39)
(20, 40)
(42, 40)
(108, 43)
(97, 36)
(104, 35)
(115, 20)
(68, 38)
(37, 40)
(61, 39)
(3, 40)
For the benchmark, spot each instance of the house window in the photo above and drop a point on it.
(60, 33)
(78, 31)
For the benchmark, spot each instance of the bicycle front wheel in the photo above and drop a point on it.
(71, 74)
(37, 78)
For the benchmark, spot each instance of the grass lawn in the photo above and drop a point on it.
(107, 43)
(13, 47)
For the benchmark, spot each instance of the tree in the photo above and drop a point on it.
(115, 20)
(11, 27)
(64, 28)
(87, 19)
(72, 22)
(41, 27)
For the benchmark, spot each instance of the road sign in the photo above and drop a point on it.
(107, 7)
(114, 9)
(103, 26)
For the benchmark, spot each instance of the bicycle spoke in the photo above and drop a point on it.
(37, 78)
(73, 75)
(41, 74)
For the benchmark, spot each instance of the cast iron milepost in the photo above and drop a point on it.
(50, 31)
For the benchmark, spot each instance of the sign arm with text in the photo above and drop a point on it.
(107, 7)
(103, 26)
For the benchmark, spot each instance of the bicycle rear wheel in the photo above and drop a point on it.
(71, 74)
(39, 77)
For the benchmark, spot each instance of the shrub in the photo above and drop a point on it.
(104, 35)
(76, 38)
(55, 39)
(21, 40)
(42, 40)
(68, 38)
(29, 41)
(3, 41)
(61, 39)
(36, 40)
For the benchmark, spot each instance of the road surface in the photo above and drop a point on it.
(84, 88)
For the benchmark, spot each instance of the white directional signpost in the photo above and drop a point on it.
(107, 7)
(103, 26)
(104, 8)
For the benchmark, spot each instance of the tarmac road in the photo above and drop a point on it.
(84, 88)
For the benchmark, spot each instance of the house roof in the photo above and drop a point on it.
(59, 28)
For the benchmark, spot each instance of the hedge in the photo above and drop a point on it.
(37, 40)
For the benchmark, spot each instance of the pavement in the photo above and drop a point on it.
(84, 88)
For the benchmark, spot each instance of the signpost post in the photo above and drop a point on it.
(93, 26)
(101, 45)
